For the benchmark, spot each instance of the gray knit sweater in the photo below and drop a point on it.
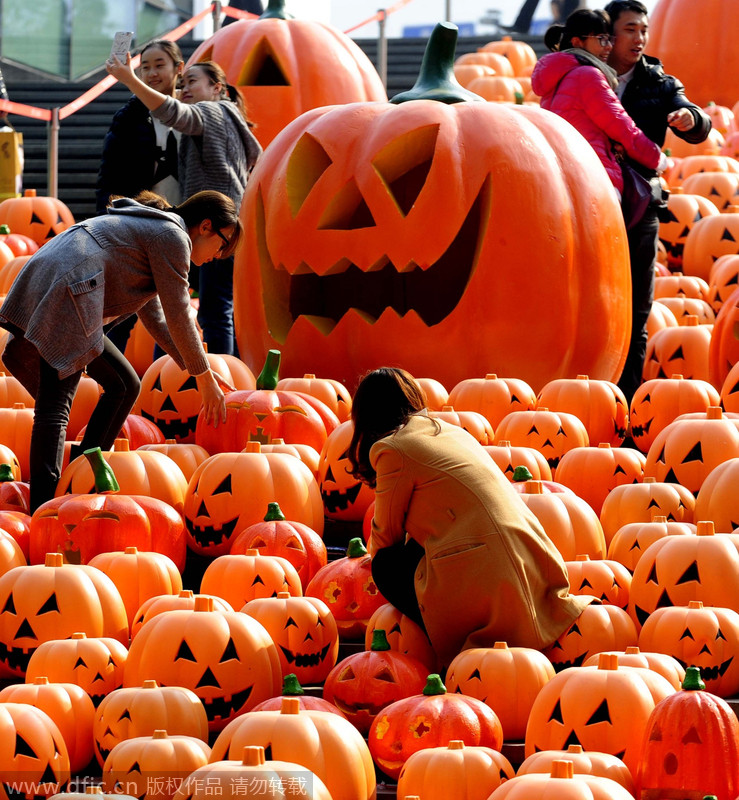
(218, 150)
(134, 259)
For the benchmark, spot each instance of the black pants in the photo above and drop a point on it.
(643, 239)
(120, 386)
(393, 570)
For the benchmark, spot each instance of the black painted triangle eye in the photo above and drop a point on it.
(22, 748)
(9, 606)
(475, 674)
(601, 714)
(687, 634)
(49, 605)
(720, 635)
(573, 629)
(556, 715)
(690, 574)
(185, 653)
(224, 487)
(80, 663)
(291, 621)
(190, 383)
(158, 383)
(229, 653)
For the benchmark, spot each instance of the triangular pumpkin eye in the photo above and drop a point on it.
(695, 454)
(687, 634)
(405, 163)
(574, 629)
(475, 674)
(690, 574)
(347, 211)
(49, 605)
(135, 767)
(556, 715)
(395, 628)
(80, 663)
(229, 652)
(22, 748)
(720, 635)
(385, 675)
(307, 163)
(262, 67)
(224, 487)
(189, 384)
(347, 674)
(185, 653)
(291, 621)
(691, 736)
(655, 735)
(586, 583)
(125, 715)
(601, 714)
(9, 606)
(157, 385)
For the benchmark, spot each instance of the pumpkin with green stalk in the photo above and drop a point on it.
(375, 231)
(81, 526)
(265, 414)
(14, 494)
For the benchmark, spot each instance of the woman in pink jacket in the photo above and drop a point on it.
(575, 83)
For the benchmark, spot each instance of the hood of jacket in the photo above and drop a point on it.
(553, 67)
(125, 207)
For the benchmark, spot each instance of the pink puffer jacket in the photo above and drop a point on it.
(580, 94)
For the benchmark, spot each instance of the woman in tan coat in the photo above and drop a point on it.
(454, 547)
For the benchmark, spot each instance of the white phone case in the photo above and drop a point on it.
(121, 44)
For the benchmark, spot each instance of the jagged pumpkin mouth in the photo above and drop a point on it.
(431, 293)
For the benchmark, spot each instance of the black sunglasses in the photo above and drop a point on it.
(226, 241)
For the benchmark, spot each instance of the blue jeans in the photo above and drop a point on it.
(216, 310)
(120, 386)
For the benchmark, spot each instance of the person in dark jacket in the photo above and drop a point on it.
(655, 101)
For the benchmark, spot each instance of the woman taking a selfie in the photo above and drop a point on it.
(453, 545)
(133, 260)
(217, 151)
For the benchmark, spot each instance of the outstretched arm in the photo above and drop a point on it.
(123, 71)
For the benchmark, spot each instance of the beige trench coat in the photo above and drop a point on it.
(489, 573)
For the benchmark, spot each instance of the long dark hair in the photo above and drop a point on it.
(581, 23)
(219, 209)
(385, 400)
(215, 74)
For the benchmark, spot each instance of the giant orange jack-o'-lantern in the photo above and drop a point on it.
(374, 234)
(708, 63)
(281, 67)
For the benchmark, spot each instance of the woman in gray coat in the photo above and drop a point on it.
(133, 260)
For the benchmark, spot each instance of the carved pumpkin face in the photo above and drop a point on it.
(364, 683)
(262, 415)
(696, 636)
(683, 211)
(226, 658)
(304, 631)
(229, 492)
(598, 628)
(609, 581)
(679, 351)
(41, 218)
(344, 496)
(33, 751)
(49, 601)
(603, 708)
(277, 66)
(551, 433)
(169, 395)
(134, 763)
(347, 253)
(721, 188)
(632, 540)
(349, 590)
(127, 713)
(94, 664)
(712, 237)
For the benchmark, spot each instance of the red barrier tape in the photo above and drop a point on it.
(91, 94)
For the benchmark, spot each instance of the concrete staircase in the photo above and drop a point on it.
(81, 134)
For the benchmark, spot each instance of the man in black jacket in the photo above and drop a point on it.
(655, 101)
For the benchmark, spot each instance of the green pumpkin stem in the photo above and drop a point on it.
(270, 373)
(434, 685)
(4, 230)
(379, 640)
(105, 480)
(274, 513)
(291, 686)
(6, 473)
(276, 10)
(356, 548)
(693, 681)
(436, 79)
(521, 474)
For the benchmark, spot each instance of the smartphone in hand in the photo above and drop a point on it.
(121, 44)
